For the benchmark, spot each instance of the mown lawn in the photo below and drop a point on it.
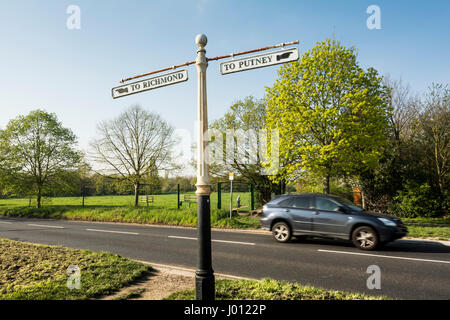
(269, 289)
(39, 272)
(166, 201)
(425, 220)
(428, 228)
(433, 232)
(119, 209)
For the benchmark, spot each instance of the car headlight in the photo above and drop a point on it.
(387, 222)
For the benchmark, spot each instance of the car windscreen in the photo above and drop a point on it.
(349, 204)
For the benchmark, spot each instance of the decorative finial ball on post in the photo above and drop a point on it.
(201, 40)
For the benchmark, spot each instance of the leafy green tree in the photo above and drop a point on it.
(246, 116)
(103, 185)
(332, 116)
(38, 151)
(86, 183)
(154, 181)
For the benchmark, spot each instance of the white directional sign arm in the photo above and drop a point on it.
(259, 61)
(150, 83)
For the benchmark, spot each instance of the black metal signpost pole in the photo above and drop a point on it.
(219, 195)
(204, 275)
(178, 196)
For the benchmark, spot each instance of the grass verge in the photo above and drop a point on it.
(428, 228)
(39, 272)
(269, 289)
(169, 216)
(425, 220)
(429, 232)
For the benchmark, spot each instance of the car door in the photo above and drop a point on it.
(300, 211)
(327, 219)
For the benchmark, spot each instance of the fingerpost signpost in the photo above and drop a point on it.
(204, 275)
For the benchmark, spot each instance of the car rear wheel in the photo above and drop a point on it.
(365, 238)
(281, 232)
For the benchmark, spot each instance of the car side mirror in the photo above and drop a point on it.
(342, 209)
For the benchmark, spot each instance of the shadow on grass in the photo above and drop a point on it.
(146, 276)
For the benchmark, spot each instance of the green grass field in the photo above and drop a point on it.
(119, 209)
(166, 201)
(39, 272)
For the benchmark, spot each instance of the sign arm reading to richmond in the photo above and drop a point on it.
(204, 275)
(149, 84)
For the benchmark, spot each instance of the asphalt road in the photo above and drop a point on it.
(409, 269)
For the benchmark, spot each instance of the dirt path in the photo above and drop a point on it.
(158, 284)
(162, 281)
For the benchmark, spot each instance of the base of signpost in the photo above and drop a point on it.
(205, 287)
(204, 275)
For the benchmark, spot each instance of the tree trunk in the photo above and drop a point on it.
(263, 192)
(283, 187)
(38, 197)
(363, 202)
(136, 195)
(326, 184)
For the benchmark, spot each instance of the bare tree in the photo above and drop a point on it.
(405, 107)
(435, 124)
(132, 145)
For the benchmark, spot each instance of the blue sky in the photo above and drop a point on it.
(45, 65)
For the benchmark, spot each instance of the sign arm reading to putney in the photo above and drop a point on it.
(204, 275)
(259, 61)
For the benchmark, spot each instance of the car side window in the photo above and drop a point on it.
(326, 204)
(287, 203)
(302, 202)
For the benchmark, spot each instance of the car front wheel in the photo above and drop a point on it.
(365, 238)
(281, 232)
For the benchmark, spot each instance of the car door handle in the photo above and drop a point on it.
(316, 213)
(286, 210)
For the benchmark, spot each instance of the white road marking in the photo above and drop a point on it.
(187, 238)
(213, 240)
(5, 222)
(235, 242)
(110, 231)
(45, 226)
(382, 256)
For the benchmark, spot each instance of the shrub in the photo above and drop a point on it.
(417, 201)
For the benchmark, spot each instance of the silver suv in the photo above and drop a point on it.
(329, 216)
